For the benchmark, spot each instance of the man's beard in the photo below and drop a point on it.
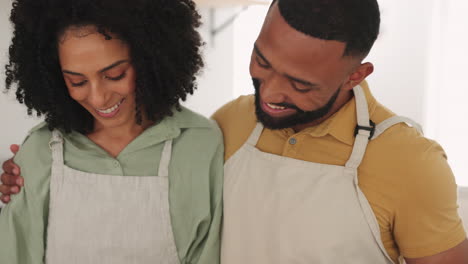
(299, 118)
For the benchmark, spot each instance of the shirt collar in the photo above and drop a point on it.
(341, 125)
(168, 128)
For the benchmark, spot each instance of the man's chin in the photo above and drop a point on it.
(275, 123)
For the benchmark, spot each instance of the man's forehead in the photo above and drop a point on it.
(277, 38)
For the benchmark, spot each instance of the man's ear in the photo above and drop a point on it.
(359, 75)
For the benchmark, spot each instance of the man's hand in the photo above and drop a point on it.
(10, 179)
(456, 255)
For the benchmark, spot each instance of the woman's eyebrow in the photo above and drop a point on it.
(113, 65)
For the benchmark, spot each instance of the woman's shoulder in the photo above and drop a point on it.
(195, 122)
(34, 156)
(37, 138)
(197, 131)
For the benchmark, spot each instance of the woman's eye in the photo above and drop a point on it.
(116, 78)
(78, 84)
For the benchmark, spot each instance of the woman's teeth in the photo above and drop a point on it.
(276, 107)
(112, 109)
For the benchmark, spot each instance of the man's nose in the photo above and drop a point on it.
(274, 89)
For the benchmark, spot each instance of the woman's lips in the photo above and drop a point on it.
(110, 112)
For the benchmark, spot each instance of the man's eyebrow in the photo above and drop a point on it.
(303, 82)
(261, 55)
(113, 65)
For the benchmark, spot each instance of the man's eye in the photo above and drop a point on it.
(261, 64)
(302, 88)
(78, 84)
(117, 78)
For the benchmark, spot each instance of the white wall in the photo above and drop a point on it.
(246, 30)
(215, 84)
(446, 109)
(400, 56)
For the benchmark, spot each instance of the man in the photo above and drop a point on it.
(327, 174)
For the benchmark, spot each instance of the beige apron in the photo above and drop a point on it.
(105, 219)
(282, 210)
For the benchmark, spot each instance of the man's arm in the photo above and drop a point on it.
(427, 227)
(10, 178)
(456, 255)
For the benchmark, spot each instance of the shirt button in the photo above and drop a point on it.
(116, 164)
(292, 141)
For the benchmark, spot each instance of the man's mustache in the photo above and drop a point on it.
(256, 83)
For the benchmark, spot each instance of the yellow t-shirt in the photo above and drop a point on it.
(404, 175)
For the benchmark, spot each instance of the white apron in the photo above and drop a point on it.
(282, 210)
(105, 219)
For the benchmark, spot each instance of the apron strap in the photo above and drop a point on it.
(362, 109)
(255, 136)
(56, 145)
(364, 130)
(380, 128)
(163, 170)
(363, 135)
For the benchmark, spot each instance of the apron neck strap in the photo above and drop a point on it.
(255, 135)
(56, 145)
(362, 135)
(366, 131)
(163, 170)
(362, 109)
(381, 127)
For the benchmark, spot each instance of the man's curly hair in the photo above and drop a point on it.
(161, 34)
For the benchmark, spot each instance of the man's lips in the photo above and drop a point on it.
(275, 110)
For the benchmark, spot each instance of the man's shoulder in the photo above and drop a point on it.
(404, 157)
(401, 140)
(236, 119)
(408, 175)
(243, 105)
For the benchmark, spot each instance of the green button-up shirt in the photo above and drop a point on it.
(195, 185)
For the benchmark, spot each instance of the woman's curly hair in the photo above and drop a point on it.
(162, 36)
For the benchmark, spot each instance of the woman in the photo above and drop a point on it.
(119, 172)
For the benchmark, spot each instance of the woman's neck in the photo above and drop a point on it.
(114, 139)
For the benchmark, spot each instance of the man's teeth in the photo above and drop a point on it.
(112, 109)
(276, 107)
